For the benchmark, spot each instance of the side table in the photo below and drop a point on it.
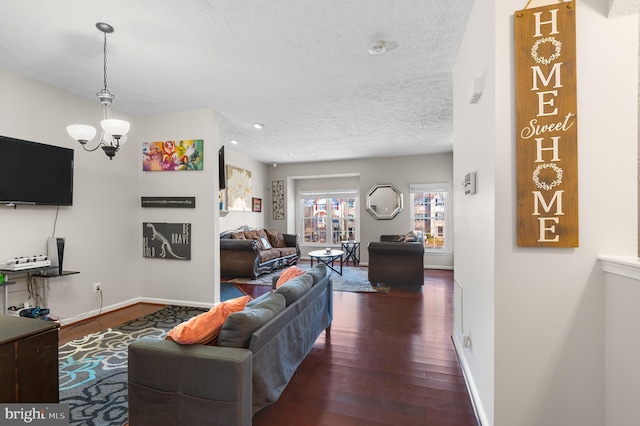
(352, 251)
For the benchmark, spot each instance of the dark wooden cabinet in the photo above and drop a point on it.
(28, 360)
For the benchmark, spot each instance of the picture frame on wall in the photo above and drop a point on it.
(238, 189)
(173, 155)
(277, 200)
(256, 204)
(166, 240)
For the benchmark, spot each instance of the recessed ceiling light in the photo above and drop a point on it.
(234, 142)
(258, 125)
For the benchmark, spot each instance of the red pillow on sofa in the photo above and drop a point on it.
(205, 328)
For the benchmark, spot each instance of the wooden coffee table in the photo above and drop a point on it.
(323, 256)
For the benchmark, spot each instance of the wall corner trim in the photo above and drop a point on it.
(626, 266)
(478, 408)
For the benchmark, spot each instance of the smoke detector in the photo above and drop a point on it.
(381, 46)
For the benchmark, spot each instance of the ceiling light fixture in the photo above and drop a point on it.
(258, 125)
(114, 132)
(234, 142)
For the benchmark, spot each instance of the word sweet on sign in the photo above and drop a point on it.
(546, 126)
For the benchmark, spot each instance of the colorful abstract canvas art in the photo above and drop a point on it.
(172, 155)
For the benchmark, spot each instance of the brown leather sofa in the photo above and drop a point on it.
(397, 260)
(248, 252)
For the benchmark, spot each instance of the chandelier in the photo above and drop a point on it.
(114, 132)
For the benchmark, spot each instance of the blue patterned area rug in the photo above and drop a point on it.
(93, 369)
(229, 291)
(353, 279)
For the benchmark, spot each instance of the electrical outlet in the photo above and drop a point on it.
(97, 287)
(466, 340)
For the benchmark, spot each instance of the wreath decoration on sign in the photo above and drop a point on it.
(544, 185)
(543, 60)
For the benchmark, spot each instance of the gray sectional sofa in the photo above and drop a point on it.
(176, 384)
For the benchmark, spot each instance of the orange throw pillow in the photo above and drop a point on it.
(288, 274)
(205, 328)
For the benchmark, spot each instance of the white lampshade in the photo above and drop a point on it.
(115, 127)
(81, 132)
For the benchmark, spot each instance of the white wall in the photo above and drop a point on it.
(622, 348)
(546, 306)
(103, 229)
(399, 171)
(236, 219)
(475, 215)
(101, 237)
(193, 282)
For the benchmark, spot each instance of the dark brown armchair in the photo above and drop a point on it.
(393, 261)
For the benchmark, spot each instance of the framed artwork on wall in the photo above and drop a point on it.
(166, 240)
(238, 189)
(277, 194)
(256, 204)
(172, 155)
(175, 202)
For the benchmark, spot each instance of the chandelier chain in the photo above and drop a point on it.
(114, 132)
(105, 61)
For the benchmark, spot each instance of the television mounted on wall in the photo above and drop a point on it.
(35, 173)
(221, 175)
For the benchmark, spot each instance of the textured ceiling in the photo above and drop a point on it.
(301, 67)
(623, 7)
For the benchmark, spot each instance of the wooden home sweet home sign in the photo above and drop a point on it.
(546, 126)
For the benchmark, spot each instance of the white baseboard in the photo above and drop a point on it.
(96, 312)
(481, 415)
(176, 302)
(443, 267)
(124, 304)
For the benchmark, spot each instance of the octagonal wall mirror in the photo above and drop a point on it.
(384, 201)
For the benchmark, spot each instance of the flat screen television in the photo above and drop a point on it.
(221, 175)
(35, 173)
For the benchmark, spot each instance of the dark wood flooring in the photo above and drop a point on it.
(389, 360)
(104, 321)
